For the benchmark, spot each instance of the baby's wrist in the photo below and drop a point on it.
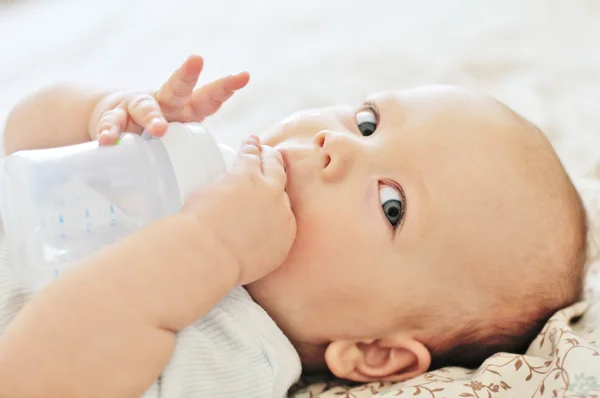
(208, 244)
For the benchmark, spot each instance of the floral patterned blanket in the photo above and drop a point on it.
(563, 361)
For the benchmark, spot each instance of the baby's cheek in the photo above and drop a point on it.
(317, 240)
(371, 217)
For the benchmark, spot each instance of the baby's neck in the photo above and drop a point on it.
(311, 355)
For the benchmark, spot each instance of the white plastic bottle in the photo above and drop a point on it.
(60, 205)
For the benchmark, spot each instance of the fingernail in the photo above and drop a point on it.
(156, 120)
(251, 140)
(103, 137)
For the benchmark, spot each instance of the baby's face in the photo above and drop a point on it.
(395, 201)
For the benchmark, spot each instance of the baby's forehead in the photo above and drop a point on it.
(431, 93)
(446, 103)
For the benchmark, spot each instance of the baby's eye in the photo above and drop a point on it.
(392, 204)
(366, 120)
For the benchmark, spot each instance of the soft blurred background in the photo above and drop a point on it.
(542, 57)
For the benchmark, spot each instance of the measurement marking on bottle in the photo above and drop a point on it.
(112, 208)
(60, 218)
(87, 213)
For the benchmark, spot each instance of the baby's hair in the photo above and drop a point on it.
(477, 339)
(559, 266)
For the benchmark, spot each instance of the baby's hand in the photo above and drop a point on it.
(249, 212)
(176, 101)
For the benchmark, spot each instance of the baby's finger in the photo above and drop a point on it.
(208, 99)
(273, 166)
(249, 154)
(145, 111)
(111, 124)
(177, 91)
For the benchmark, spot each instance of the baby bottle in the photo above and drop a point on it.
(60, 205)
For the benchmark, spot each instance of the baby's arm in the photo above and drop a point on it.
(107, 327)
(67, 114)
(54, 116)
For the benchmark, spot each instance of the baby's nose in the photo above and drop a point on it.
(336, 151)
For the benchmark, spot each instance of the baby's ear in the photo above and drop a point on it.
(395, 359)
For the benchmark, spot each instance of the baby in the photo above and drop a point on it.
(433, 227)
